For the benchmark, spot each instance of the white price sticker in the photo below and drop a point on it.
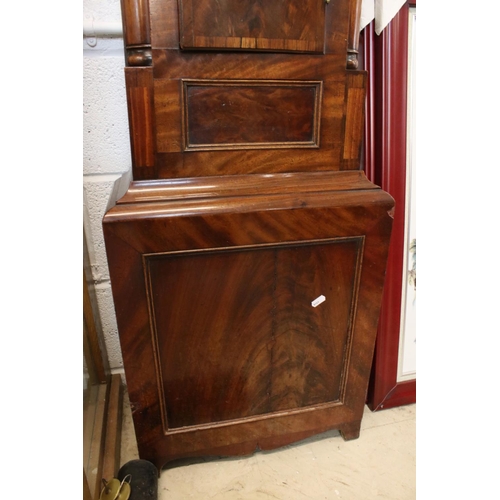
(319, 300)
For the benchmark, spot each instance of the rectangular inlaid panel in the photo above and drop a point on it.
(294, 25)
(237, 334)
(251, 114)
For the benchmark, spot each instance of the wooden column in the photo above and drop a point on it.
(353, 40)
(139, 82)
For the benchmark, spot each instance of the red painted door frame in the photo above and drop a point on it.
(385, 57)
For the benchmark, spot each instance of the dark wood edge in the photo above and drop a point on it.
(92, 330)
(318, 199)
(86, 489)
(98, 440)
(106, 430)
(234, 185)
(111, 459)
(91, 348)
(386, 60)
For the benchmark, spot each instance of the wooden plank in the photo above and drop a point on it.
(111, 459)
(89, 407)
(97, 446)
(86, 490)
(175, 65)
(92, 351)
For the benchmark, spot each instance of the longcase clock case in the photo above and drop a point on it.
(247, 257)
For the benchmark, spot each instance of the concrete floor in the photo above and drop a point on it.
(380, 464)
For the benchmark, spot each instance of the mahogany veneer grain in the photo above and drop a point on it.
(246, 123)
(222, 349)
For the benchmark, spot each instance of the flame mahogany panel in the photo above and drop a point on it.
(251, 114)
(252, 25)
(247, 205)
(338, 23)
(246, 340)
(213, 281)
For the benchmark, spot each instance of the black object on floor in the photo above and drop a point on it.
(143, 479)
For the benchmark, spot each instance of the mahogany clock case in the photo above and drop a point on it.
(223, 350)
(247, 205)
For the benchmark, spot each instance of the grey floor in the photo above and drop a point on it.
(380, 464)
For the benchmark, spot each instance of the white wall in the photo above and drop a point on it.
(106, 151)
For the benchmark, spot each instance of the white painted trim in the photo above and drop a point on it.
(92, 29)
